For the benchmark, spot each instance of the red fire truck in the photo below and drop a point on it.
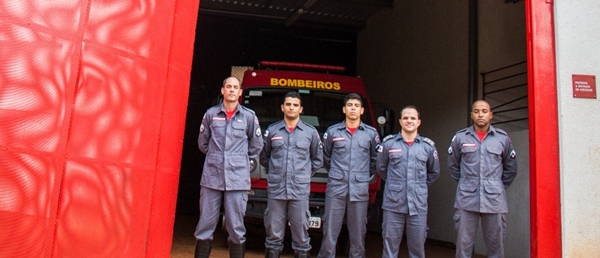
(322, 99)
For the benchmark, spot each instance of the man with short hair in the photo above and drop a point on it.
(292, 153)
(350, 154)
(229, 136)
(483, 161)
(409, 164)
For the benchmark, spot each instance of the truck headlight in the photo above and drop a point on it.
(252, 164)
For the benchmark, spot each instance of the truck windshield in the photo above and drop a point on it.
(321, 109)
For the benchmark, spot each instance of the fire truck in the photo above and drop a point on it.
(322, 94)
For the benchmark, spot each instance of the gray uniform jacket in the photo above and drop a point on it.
(291, 159)
(483, 170)
(408, 171)
(350, 160)
(229, 146)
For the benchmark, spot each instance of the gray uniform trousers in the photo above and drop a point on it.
(278, 213)
(393, 229)
(235, 208)
(335, 207)
(494, 230)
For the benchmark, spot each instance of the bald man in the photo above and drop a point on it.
(229, 136)
(483, 161)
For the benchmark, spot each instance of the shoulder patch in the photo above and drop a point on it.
(427, 140)
(388, 137)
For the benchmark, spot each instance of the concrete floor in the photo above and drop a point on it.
(184, 243)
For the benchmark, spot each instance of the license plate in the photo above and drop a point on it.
(314, 222)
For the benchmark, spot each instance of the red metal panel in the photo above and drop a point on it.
(29, 187)
(37, 79)
(92, 111)
(103, 211)
(543, 131)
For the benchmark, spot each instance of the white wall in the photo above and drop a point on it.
(577, 47)
(417, 53)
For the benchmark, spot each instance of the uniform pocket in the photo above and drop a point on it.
(470, 156)
(496, 153)
(364, 145)
(468, 186)
(303, 147)
(336, 174)
(239, 128)
(273, 177)
(277, 150)
(393, 191)
(493, 189)
(395, 158)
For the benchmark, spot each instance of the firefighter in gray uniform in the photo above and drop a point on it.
(483, 161)
(350, 154)
(409, 164)
(292, 153)
(229, 136)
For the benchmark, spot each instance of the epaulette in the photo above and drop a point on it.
(335, 126)
(308, 125)
(370, 128)
(501, 131)
(427, 140)
(462, 130)
(388, 137)
(273, 124)
(248, 109)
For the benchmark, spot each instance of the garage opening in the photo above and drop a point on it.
(406, 52)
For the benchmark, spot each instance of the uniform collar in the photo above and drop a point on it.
(471, 130)
(399, 137)
(342, 125)
(237, 108)
(300, 125)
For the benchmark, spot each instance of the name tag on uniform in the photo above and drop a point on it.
(469, 145)
(338, 139)
(218, 119)
(277, 138)
(395, 150)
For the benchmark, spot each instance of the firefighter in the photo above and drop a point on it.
(229, 136)
(292, 153)
(409, 164)
(483, 161)
(349, 154)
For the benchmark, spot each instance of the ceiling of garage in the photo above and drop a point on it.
(341, 14)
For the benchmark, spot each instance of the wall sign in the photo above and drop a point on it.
(584, 86)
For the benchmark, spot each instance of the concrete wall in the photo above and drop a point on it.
(417, 53)
(577, 41)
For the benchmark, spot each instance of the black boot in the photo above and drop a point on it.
(236, 250)
(272, 253)
(202, 249)
(301, 254)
